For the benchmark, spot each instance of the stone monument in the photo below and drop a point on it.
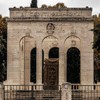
(36, 34)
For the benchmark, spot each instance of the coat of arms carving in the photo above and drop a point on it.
(50, 28)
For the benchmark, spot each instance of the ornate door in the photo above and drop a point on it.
(51, 70)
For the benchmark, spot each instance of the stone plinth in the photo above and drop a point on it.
(66, 91)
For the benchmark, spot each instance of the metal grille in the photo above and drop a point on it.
(85, 92)
(30, 92)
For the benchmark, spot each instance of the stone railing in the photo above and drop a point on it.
(1, 92)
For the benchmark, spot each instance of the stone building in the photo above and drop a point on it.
(59, 35)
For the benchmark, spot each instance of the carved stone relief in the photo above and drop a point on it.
(50, 28)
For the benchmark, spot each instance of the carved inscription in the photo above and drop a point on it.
(48, 14)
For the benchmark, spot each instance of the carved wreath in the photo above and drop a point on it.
(50, 28)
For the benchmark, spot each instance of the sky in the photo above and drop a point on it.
(6, 4)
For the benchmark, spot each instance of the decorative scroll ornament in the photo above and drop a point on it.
(73, 33)
(28, 31)
(73, 42)
(50, 28)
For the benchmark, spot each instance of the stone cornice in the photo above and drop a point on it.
(49, 9)
(49, 12)
(50, 19)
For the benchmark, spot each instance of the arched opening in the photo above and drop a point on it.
(33, 66)
(54, 52)
(51, 69)
(73, 65)
(42, 66)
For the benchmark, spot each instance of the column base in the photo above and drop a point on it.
(10, 82)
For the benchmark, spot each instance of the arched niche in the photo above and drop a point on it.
(33, 65)
(72, 41)
(48, 43)
(73, 65)
(26, 44)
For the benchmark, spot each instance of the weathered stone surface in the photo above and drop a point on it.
(66, 91)
(28, 28)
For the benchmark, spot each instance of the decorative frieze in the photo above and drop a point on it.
(49, 13)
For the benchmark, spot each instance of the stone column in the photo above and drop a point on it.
(61, 63)
(66, 91)
(39, 63)
(1, 92)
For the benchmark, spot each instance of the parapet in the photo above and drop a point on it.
(38, 13)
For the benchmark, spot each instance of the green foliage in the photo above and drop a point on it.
(96, 30)
(33, 4)
(3, 48)
(96, 46)
(58, 5)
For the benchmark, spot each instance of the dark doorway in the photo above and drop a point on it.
(54, 52)
(33, 66)
(73, 65)
(51, 69)
(42, 66)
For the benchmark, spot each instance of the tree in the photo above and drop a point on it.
(97, 37)
(3, 48)
(96, 47)
(96, 44)
(33, 4)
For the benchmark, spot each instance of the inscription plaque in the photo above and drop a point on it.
(51, 74)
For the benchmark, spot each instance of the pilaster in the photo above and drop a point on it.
(61, 63)
(39, 63)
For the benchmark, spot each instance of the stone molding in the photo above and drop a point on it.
(50, 19)
(40, 9)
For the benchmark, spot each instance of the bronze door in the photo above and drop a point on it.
(51, 69)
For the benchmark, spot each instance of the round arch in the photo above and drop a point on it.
(72, 41)
(33, 65)
(54, 52)
(48, 43)
(73, 65)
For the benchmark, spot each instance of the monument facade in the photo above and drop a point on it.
(36, 34)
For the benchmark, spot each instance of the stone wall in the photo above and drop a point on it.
(26, 32)
(49, 12)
